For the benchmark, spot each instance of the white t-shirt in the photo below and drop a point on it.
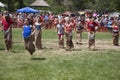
(67, 19)
(60, 29)
(36, 23)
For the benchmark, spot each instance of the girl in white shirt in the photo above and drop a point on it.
(60, 32)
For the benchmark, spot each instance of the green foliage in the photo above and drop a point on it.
(79, 4)
(111, 5)
(56, 6)
(100, 5)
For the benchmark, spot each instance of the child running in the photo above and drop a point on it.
(92, 27)
(27, 35)
(115, 33)
(60, 31)
(69, 35)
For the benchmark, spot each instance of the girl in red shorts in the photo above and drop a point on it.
(60, 31)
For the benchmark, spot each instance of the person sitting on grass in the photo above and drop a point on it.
(27, 35)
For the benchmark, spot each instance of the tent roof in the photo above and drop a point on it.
(27, 10)
(39, 3)
(2, 5)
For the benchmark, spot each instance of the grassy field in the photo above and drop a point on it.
(53, 63)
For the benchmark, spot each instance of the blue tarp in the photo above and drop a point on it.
(27, 10)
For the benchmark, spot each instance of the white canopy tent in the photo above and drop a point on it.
(2, 5)
(114, 14)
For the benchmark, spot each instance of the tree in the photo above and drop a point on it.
(100, 4)
(79, 4)
(57, 6)
(21, 3)
(117, 5)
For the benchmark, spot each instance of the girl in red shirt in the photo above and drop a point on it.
(91, 28)
(68, 34)
(6, 23)
(115, 31)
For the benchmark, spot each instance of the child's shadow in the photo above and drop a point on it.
(97, 49)
(46, 48)
(76, 50)
(38, 58)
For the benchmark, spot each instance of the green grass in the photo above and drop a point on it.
(58, 64)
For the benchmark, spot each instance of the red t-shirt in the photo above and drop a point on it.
(115, 29)
(6, 24)
(91, 26)
(68, 27)
(73, 24)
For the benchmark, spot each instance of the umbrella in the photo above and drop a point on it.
(2, 5)
(27, 10)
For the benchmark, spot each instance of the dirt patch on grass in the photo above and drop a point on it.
(51, 46)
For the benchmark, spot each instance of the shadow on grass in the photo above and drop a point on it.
(38, 58)
(49, 48)
(17, 42)
(17, 51)
(97, 49)
(76, 50)
(87, 50)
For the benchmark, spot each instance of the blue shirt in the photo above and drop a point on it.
(26, 31)
(109, 24)
(46, 17)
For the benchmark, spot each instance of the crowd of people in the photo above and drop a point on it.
(65, 25)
